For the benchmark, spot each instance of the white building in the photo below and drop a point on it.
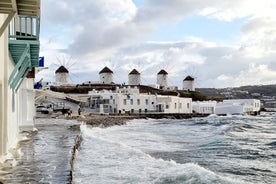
(174, 104)
(18, 56)
(134, 78)
(125, 100)
(106, 76)
(162, 79)
(62, 75)
(189, 83)
(129, 100)
(239, 106)
(204, 107)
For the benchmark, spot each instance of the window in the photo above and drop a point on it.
(167, 106)
(124, 101)
(105, 101)
(175, 105)
(113, 101)
(131, 101)
(147, 101)
(138, 101)
(188, 105)
(201, 109)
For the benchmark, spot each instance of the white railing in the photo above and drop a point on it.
(24, 28)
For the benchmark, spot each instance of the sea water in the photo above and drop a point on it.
(230, 149)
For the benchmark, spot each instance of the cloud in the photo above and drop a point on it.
(117, 33)
(223, 77)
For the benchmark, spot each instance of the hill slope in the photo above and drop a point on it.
(266, 93)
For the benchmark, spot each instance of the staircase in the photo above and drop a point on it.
(23, 47)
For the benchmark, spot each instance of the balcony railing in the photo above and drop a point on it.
(23, 47)
(24, 28)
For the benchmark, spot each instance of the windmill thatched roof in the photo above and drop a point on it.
(163, 72)
(105, 70)
(133, 72)
(189, 78)
(62, 69)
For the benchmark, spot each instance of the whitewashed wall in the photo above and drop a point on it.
(204, 107)
(62, 78)
(129, 103)
(189, 85)
(15, 107)
(174, 104)
(106, 78)
(134, 79)
(224, 109)
(125, 101)
(254, 103)
(3, 88)
(26, 105)
(8, 100)
(162, 80)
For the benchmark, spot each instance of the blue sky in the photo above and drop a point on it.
(199, 26)
(221, 43)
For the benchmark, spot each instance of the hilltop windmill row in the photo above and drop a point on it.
(134, 79)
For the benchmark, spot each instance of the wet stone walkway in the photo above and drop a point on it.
(46, 155)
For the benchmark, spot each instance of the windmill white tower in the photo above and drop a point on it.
(106, 76)
(62, 75)
(134, 78)
(162, 79)
(189, 83)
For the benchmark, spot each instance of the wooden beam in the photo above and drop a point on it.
(6, 1)
(28, 7)
(14, 5)
(5, 11)
(6, 22)
(34, 2)
(5, 6)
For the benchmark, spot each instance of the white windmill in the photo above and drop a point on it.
(134, 78)
(106, 76)
(189, 83)
(192, 79)
(162, 79)
(62, 75)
